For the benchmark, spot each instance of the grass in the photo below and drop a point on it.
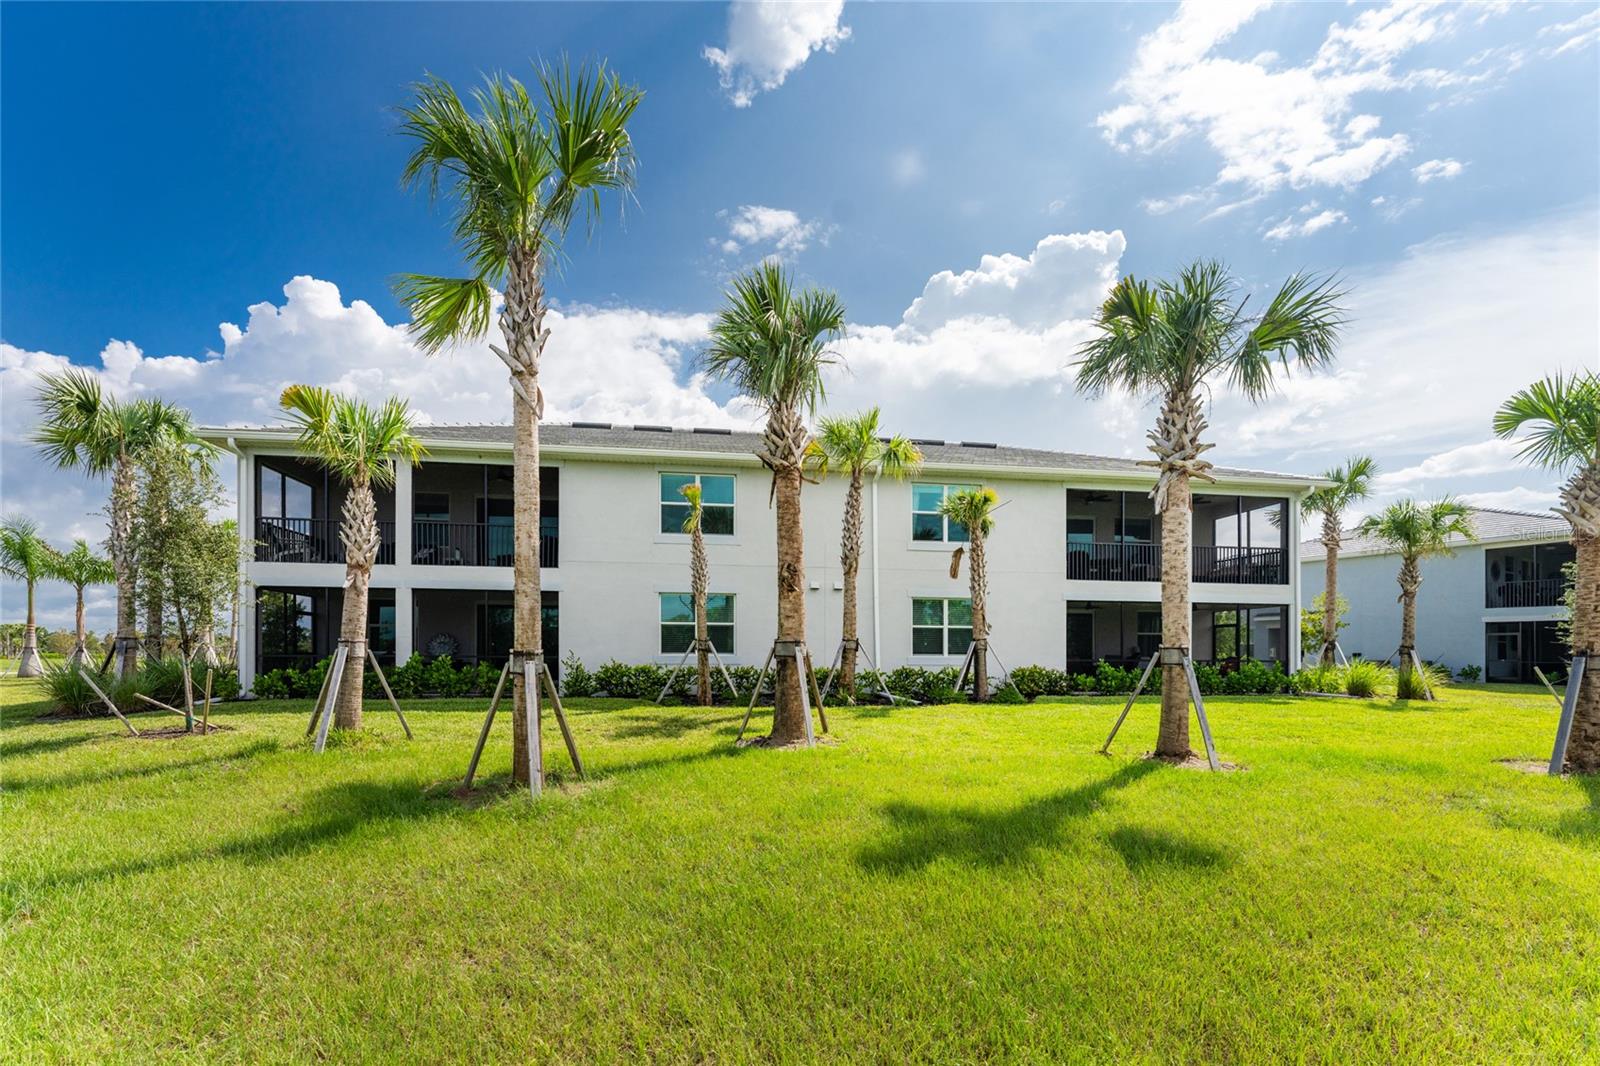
(945, 883)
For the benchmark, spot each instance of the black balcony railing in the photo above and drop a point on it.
(1114, 562)
(311, 540)
(1537, 592)
(473, 544)
(1240, 566)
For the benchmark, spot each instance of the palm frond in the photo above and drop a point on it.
(972, 508)
(1563, 414)
(78, 423)
(24, 554)
(355, 441)
(771, 343)
(444, 310)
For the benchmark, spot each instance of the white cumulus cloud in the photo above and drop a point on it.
(768, 41)
(782, 230)
(1437, 170)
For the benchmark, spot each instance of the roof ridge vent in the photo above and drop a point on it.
(978, 444)
(712, 431)
(927, 440)
(652, 429)
(591, 425)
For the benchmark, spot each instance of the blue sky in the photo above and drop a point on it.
(166, 170)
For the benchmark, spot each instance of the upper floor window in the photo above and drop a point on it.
(716, 503)
(283, 496)
(677, 622)
(927, 524)
(940, 627)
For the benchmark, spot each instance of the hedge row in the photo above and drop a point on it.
(421, 677)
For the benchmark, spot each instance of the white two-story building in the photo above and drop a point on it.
(1074, 558)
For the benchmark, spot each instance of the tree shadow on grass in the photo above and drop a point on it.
(669, 725)
(1156, 849)
(333, 812)
(1582, 826)
(988, 837)
(44, 745)
(23, 783)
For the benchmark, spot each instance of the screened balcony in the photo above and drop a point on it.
(298, 507)
(463, 515)
(1528, 575)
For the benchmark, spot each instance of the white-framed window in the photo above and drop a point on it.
(716, 503)
(677, 622)
(927, 524)
(940, 627)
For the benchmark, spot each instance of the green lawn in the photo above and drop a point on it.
(946, 883)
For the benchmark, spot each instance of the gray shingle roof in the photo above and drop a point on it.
(1489, 523)
(601, 436)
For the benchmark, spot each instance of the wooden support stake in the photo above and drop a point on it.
(205, 712)
(811, 675)
(316, 708)
(530, 708)
(1569, 706)
(331, 696)
(1105, 749)
(1200, 712)
(488, 720)
(384, 681)
(561, 717)
(107, 701)
(755, 693)
(795, 652)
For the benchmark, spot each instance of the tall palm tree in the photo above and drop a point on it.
(25, 556)
(519, 173)
(851, 445)
(80, 568)
(1351, 482)
(1415, 532)
(81, 428)
(699, 586)
(1561, 416)
(771, 343)
(974, 509)
(359, 444)
(1171, 339)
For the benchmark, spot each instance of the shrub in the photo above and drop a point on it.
(1329, 679)
(1114, 680)
(1470, 673)
(1034, 681)
(1409, 684)
(406, 680)
(1365, 678)
(575, 680)
(1006, 694)
(70, 694)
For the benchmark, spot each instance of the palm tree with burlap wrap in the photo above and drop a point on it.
(1348, 483)
(974, 510)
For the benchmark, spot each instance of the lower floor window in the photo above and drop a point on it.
(677, 622)
(941, 627)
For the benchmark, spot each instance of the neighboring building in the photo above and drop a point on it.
(1494, 604)
(1074, 559)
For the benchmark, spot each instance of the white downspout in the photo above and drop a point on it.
(877, 643)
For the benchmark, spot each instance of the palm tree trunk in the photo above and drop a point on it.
(700, 581)
(522, 325)
(1330, 585)
(788, 711)
(29, 664)
(124, 495)
(1583, 744)
(1173, 739)
(850, 562)
(80, 646)
(978, 584)
(359, 532)
(1410, 582)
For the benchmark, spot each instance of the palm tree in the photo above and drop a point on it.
(1351, 482)
(80, 568)
(359, 444)
(974, 509)
(1563, 417)
(84, 429)
(699, 584)
(1414, 532)
(26, 557)
(771, 343)
(519, 173)
(1171, 339)
(851, 444)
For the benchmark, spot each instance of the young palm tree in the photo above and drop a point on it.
(771, 343)
(26, 557)
(851, 445)
(80, 568)
(699, 584)
(84, 429)
(1562, 417)
(1351, 482)
(360, 445)
(519, 172)
(1416, 531)
(1171, 339)
(974, 509)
